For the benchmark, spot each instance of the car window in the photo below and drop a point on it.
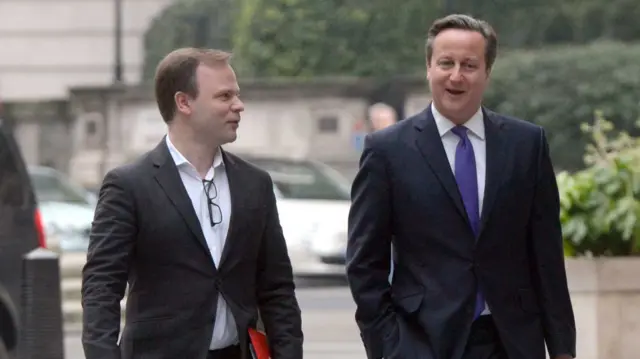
(305, 180)
(51, 188)
(13, 187)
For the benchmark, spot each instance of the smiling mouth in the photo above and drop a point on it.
(455, 92)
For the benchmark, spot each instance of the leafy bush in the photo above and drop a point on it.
(600, 205)
(559, 88)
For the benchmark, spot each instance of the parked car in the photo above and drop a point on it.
(313, 204)
(21, 231)
(67, 209)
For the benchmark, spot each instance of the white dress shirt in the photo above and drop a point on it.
(225, 332)
(475, 127)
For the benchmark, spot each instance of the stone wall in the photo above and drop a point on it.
(313, 119)
(97, 128)
(42, 130)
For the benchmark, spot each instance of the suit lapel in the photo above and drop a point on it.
(169, 179)
(240, 195)
(496, 162)
(430, 145)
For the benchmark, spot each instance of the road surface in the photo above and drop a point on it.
(327, 319)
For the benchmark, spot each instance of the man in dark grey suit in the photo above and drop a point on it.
(469, 200)
(194, 231)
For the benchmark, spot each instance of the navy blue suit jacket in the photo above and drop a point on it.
(405, 193)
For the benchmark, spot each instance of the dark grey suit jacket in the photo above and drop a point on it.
(405, 193)
(146, 233)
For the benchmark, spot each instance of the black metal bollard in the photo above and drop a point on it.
(42, 334)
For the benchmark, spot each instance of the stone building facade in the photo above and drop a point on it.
(98, 128)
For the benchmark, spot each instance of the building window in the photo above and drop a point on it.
(328, 124)
(91, 128)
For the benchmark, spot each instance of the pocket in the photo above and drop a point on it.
(152, 319)
(528, 301)
(372, 344)
(154, 327)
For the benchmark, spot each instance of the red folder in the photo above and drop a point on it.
(258, 344)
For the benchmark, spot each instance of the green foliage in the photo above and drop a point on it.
(197, 23)
(623, 20)
(306, 38)
(600, 205)
(561, 87)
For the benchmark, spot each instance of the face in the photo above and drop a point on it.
(214, 115)
(458, 73)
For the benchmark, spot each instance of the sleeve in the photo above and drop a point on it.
(369, 252)
(277, 302)
(548, 256)
(104, 276)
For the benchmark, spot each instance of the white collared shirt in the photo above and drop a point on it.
(225, 332)
(450, 141)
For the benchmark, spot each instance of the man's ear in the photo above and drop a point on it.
(183, 102)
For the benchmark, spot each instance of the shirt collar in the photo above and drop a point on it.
(475, 123)
(180, 160)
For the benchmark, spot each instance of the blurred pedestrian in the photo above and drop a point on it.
(468, 197)
(382, 116)
(194, 231)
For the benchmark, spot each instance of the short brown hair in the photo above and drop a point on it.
(177, 73)
(465, 22)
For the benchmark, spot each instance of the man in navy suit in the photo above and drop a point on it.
(468, 198)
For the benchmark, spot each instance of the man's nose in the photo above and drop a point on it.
(238, 106)
(455, 75)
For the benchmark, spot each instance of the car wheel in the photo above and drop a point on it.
(3, 351)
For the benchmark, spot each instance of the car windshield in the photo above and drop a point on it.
(305, 179)
(51, 188)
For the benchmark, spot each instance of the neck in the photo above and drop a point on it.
(199, 154)
(461, 119)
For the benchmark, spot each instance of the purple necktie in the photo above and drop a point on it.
(467, 179)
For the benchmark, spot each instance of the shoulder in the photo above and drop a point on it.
(516, 125)
(389, 136)
(129, 172)
(527, 137)
(247, 168)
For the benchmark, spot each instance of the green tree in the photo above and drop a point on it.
(198, 23)
(519, 23)
(592, 23)
(559, 30)
(623, 20)
(306, 38)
